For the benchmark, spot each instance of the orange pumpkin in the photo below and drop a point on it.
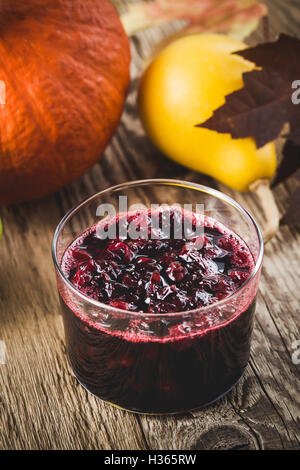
(65, 68)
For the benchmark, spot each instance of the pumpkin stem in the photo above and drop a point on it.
(263, 191)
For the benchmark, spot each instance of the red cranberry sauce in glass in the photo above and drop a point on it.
(148, 352)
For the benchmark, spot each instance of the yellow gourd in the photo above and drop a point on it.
(182, 87)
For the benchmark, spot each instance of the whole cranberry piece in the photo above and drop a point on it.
(84, 274)
(155, 277)
(176, 271)
(121, 304)
(80, 255)
(120, 252)
(189, 254)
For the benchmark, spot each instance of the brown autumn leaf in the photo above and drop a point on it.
(269, 99)
(262, 107)
(235, 17)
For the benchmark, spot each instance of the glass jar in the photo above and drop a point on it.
(132, 359)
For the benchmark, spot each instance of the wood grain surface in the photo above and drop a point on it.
(41, 404)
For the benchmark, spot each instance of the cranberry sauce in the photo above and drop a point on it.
(159, 275)
(151, 362)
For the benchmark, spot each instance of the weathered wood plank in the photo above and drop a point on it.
(41, 404)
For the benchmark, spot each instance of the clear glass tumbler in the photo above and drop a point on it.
(130, 359)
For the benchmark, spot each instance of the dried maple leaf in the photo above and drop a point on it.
(269, 99)
(292, 215)
(273, 54)
(236, 17)
(262, 107)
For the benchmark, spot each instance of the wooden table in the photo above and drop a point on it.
(41, 404)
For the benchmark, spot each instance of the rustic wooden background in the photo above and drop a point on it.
(41, 404)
